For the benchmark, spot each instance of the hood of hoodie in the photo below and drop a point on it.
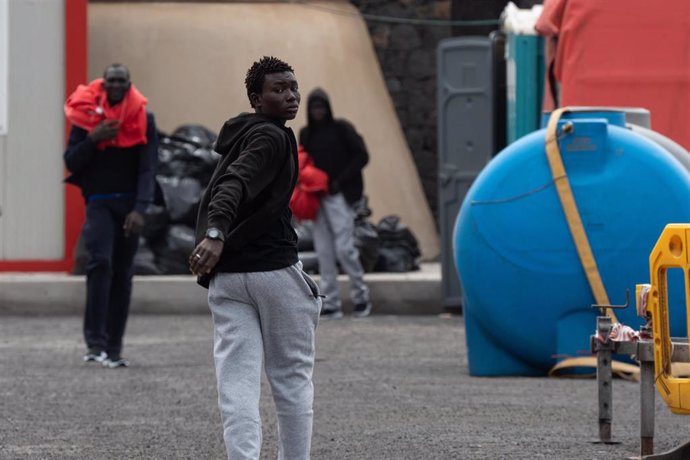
(236, 127)
(319, 95)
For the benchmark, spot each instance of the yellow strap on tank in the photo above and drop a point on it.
(620, 369)
(584, 251)
(577, 230)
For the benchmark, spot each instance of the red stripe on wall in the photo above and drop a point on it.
(76, 52)
(36, 265)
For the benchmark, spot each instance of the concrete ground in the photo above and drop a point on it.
(387, 387)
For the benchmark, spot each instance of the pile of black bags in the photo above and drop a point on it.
(186, 162)
(387, 247)
(399, 250)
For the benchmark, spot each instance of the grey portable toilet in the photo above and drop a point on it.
(466, 137)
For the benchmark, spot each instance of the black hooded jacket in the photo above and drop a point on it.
(248, 196)
(114, 169)
(337, 149)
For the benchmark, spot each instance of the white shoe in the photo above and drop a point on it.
(94, 355)
(114, 362)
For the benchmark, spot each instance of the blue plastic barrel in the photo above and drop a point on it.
(527, 302)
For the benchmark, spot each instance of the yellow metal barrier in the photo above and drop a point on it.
(672, 250)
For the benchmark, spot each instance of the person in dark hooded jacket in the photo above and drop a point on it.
(336, 148)
(265, 308)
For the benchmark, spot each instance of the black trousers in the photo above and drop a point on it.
(108, 273)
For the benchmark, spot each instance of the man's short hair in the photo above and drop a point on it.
(117, 65)
(254, 81)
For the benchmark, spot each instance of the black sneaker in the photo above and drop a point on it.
(94, 355)
(331, 313)
(115, 361)
(361, 310)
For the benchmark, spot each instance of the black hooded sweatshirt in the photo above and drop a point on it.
(337, 149)
(248, 196)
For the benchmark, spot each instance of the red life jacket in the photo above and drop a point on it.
(312, 184)
(88, 105)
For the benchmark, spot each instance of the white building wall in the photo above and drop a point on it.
(4, 72)
(31, 168)
(3, 168)
(4, 49)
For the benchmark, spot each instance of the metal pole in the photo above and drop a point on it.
(646, 408)
(604, 379)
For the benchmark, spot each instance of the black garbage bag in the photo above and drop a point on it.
(166, 152)
(173, 157)
(156, 220)
(177, 158)
(207, 155)
(394, 233)
(173, 250)
(195, 134)
(361, 208)
(367, 242)
(305, 235)
(395, 259)
(145, 260)
(201, 163)
(399, 248)
(182, 197)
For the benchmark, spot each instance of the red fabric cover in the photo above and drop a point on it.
(625, 53)
(312, 183)
(88, 105)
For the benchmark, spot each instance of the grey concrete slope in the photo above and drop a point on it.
(386, 388)
(45, 293)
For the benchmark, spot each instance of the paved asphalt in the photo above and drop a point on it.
(387, 387)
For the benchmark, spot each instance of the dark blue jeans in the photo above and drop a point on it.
(108, 273)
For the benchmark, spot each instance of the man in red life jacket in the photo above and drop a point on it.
(111, 154)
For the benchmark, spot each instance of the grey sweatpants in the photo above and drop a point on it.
(334, 241)
(267, 317)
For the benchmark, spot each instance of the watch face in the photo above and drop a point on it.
(213, 233)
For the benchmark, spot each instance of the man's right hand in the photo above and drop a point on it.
(105, 131)
(205, 256)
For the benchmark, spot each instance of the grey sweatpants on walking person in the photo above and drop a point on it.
(270, 317)
(334, 240)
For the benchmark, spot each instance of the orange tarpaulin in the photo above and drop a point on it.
(626, 53)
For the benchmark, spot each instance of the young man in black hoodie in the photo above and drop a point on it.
(337, 149)
(265, 308)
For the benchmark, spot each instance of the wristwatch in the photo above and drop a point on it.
(214, 234)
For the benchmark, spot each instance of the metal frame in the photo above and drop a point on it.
(642, 351)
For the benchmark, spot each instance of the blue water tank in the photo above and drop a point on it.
(527, 302)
